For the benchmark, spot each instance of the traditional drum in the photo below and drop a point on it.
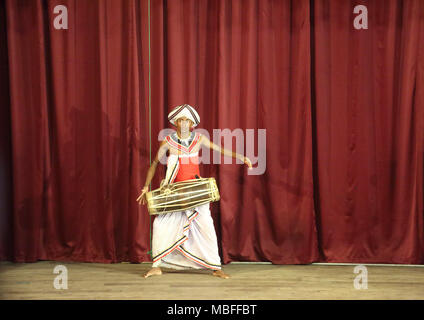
(183, 195)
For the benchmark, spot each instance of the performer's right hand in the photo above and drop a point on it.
(142, 198)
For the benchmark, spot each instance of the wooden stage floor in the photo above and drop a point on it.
(248, 281)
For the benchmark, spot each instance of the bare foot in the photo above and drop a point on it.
(221, 274)
(153, 272)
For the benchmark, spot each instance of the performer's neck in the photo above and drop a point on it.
(183, 136)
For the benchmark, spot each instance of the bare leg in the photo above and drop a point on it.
(220, 274)
(153, 272)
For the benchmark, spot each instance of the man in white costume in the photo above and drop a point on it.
(185, 239)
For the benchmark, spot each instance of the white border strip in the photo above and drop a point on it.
(327, 264)
(338, 264)
(370, 264)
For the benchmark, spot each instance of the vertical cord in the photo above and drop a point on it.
(150, 128)
(150, 100)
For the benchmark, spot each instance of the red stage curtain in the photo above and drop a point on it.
(368, 103)
(342, 109)
(79, 133)
(246, 64)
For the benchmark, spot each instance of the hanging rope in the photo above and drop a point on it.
(150, 131)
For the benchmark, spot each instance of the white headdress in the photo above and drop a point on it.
(184, 110)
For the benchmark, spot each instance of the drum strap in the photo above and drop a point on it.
(171, 172)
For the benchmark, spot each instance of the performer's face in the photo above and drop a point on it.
(184, 124)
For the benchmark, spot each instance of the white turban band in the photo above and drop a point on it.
(184, 110)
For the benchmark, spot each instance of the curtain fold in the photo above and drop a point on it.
(6, 195)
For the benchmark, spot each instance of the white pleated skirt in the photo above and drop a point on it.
(186, 239)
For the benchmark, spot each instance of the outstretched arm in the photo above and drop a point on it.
(206, 142)
(151, 172)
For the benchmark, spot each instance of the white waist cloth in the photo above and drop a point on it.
(185, 239)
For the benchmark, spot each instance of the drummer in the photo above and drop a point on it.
(186, 239)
